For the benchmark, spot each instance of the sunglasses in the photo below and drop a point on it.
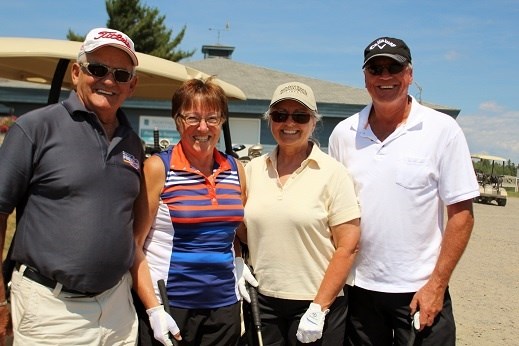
(299, 117)
(377, 70)
(99, 71)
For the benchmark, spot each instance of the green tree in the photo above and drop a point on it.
(72, 36)
(145, 26)
(500, 168)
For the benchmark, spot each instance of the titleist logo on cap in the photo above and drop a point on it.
(113, 36)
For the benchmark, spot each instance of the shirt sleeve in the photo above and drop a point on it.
(458, 180)
(344, 204)
(16, 155)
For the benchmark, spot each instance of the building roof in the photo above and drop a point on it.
(258, 83)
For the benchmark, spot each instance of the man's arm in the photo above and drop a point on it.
(429, 299)
(4, 310)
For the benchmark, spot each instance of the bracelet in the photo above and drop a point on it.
(4, 303)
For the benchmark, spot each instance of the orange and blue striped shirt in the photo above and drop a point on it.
(204, 213)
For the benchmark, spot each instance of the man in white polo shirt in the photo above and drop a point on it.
(409, 163)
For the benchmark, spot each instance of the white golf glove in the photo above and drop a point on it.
(162, 324)
(311, 325)
(243, 274)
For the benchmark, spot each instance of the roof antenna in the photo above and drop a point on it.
(219, 30)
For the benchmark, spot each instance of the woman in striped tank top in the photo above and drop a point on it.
(185, 227)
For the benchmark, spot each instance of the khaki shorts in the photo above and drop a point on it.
(43, 318)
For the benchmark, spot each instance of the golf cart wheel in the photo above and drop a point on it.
(501, 202)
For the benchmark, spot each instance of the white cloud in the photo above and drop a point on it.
(493, 134)
(491, 106)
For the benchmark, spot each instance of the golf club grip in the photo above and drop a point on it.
(164, 295)
(165, 302)
(156, 139)
(254, 306)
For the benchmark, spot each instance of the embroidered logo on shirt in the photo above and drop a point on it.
(131, 160)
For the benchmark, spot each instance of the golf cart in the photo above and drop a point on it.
(490, 185)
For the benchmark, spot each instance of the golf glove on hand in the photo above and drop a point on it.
(162, 324)
(311, 325)
(243, 274)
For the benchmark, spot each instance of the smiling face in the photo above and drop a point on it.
(290, 133)
(199, 108)
(104, 95)
(388, 88)
(199, 140)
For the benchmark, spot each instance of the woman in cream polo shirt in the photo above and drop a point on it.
(302, 227)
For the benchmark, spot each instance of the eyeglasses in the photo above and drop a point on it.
(377, 70)
(195, 119)
(299, 117)
(99, 71)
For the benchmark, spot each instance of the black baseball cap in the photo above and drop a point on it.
(393, 48)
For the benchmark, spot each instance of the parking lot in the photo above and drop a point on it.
(485, 285)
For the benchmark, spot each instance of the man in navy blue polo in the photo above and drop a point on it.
(75, 168)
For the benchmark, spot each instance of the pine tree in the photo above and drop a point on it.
(145, 26)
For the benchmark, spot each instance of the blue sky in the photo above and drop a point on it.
(465, 53)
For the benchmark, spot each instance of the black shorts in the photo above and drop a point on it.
(377, 318)
(198, 327)
(280, 320)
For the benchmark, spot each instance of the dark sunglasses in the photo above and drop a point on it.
(377, 70)
(299, 117)
(99, 70)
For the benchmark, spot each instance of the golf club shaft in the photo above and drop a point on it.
(165, 302)
(255, 312)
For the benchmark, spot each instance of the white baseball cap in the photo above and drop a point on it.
(101, 37)
(296, 91)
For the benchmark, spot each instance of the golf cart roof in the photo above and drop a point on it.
(35, 60)
(49, 61)
(488, 157)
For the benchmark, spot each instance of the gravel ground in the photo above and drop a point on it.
(485, 284)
